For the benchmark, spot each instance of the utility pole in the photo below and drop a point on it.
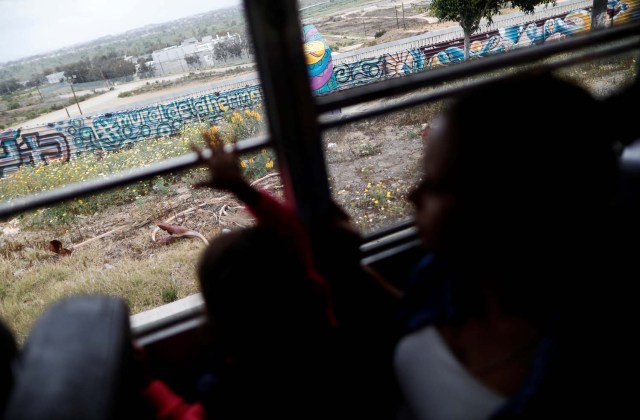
(404, 24)
(364, 25)
(106, 82)
(74, 95)
(39, 93)
(397, 22)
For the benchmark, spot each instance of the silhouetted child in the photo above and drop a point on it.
(275, 348)
(356, 302)
(225, 174)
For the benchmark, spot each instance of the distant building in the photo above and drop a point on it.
(54, 77)
(169, 60)
(173, 59)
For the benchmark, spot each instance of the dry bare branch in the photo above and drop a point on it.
(181, 231)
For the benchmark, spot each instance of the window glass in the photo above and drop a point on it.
(374, 163)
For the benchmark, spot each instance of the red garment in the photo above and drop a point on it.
(273, 212)
(169, 406)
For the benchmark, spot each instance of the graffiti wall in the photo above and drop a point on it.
(69, 138)
(482, 45)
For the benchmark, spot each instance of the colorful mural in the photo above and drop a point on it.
(112, 131)
(502, 40)
(319, 62)
(360, 72)
(483, 45)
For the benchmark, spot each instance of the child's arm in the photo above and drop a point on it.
(225, 174)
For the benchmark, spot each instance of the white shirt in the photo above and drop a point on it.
(435, 385)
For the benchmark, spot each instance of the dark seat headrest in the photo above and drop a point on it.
(74, 362)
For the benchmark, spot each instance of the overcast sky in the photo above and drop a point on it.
(31, 27)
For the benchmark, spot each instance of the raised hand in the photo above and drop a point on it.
(224, 171)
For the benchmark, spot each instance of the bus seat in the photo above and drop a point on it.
(75, 362)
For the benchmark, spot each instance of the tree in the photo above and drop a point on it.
(115, 67)
(598, 14)
(36, 80)
(247, 46)
(9, 86)
(193, 60)
(468, 13)
(144, 70)
(83, 70)
(220, 52)
(234, 46)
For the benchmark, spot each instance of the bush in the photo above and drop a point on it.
(379, 33)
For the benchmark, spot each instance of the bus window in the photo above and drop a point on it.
(100, 115)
